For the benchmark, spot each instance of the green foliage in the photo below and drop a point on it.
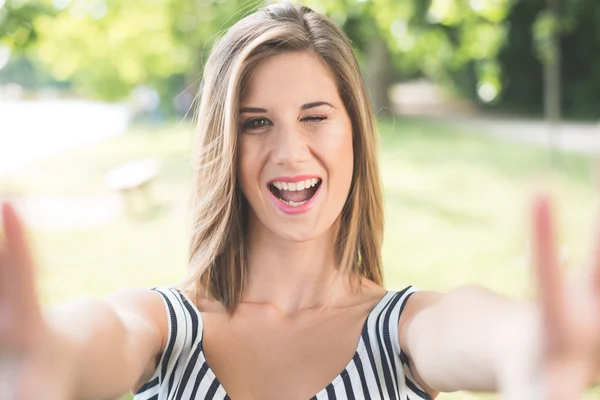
(436, 38)
(441, 38)
(26, 70)
(490, 51)
(527, 47)
(108, 47)
(545, 27)
(17, 30)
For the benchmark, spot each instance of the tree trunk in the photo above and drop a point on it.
(552, 80)
(379, 74)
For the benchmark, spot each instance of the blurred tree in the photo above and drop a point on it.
(109, 47)
(528, 47)
(17, 30)
(24, 69)
(456, 42)
(486, 50)
(546, 34)
(494, 51)
(442, 39)
(18, 35)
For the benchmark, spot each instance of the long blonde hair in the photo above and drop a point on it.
(217, 261)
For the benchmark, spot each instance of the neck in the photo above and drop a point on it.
(291, 275)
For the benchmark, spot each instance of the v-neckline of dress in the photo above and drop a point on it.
(360, 348)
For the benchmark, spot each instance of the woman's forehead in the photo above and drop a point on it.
(289, 77)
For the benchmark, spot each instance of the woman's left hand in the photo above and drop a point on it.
(570, 315)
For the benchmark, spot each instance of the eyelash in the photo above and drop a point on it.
(248, 125)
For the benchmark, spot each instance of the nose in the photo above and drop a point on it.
(290, 147)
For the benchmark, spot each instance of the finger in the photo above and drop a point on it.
(550, 286)
(595, 261)
(15, 234)
(595, 265)
(17, 270)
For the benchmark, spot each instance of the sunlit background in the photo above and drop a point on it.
(481, 104)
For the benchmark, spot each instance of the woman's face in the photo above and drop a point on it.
(295, 147)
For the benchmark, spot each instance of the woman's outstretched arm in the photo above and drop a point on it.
(90, 349)
(474, 339)
(471, 339)
(114, 342)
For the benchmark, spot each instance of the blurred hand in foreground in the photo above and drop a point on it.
(570, 315)
(34, 362)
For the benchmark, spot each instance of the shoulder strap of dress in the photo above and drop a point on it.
(396, 308)
(185, 329)
(382, 343)
(394, 312)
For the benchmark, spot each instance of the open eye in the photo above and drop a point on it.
(256, 123)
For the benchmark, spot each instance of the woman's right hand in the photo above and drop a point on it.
(35, 362)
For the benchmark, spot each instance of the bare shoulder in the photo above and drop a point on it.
(417, 302)
(145, 304)
(139, 300)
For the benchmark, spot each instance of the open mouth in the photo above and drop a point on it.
(295, 194)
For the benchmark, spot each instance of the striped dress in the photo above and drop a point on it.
(377, 371)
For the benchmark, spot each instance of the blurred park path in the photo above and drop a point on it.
(31, 130)
(67, 212)
(576, 137)
(423, 99)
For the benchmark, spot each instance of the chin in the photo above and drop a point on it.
(300, 235)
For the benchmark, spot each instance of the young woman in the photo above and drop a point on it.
(284, 298)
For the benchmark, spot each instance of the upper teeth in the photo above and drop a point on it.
(295, 186)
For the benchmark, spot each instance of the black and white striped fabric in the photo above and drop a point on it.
(379, 369)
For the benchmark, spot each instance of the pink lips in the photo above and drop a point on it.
(293, 209)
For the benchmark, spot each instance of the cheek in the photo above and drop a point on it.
(339, 151)
(348, 153)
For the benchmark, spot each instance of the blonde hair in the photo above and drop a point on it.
(217, 261)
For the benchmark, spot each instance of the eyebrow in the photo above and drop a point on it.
(315, 104)
(303, 107)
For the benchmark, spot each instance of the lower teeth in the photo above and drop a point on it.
(293, 203)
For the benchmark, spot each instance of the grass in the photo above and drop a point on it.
(468, 197)
(456, 212)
